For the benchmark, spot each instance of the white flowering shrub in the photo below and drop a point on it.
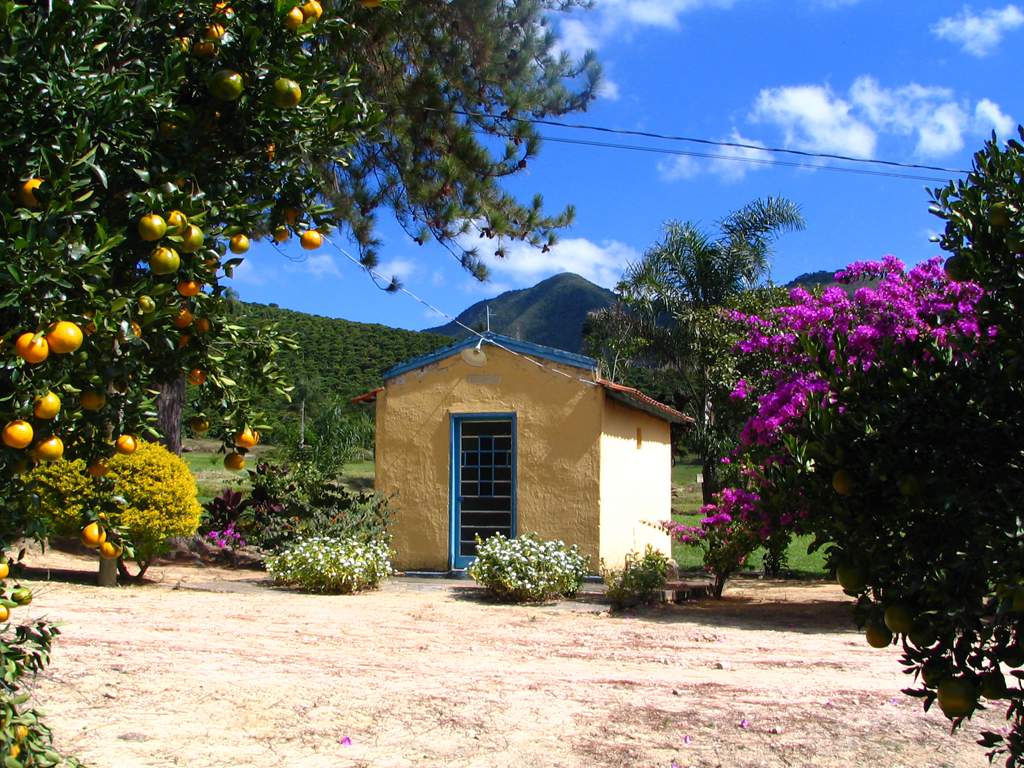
(338, 566)
(526, 569)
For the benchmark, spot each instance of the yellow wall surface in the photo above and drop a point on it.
(558, 445)
(636, 482)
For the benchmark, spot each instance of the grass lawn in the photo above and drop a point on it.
(207, 465)
(686, 503)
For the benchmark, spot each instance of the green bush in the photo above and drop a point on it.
(288, 503)
(639, 581)
(158, 490)
(526, 569)
(331, 565)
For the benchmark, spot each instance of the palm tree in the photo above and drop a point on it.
(667, 299)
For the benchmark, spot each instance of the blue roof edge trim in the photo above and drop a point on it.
(560, 356)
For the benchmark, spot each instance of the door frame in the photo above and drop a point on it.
(454, 467)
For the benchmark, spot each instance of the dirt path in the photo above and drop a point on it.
(211, 668)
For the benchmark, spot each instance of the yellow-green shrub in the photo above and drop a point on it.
(157, 487)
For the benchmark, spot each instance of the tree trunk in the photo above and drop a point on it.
(169, 404)
(710, 485)
(302, 423)
(108, 572)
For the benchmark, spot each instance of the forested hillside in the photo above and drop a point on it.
(336, 359)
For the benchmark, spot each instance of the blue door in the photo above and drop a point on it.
(483, 482)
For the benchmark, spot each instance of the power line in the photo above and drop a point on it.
(738, 159)
(706, 142)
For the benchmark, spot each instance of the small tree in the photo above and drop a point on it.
(667, 318)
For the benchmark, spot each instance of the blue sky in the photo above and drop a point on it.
(894, 79)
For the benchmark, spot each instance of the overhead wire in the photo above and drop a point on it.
(706, 142)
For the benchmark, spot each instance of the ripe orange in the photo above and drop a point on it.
(191, 239)
(5, 570)
(50, 449)
(214, 32)
(234, 462)
(957, 697)
(294, 19)
(20, 732)
(204, 49)
(198, 424)
(27, 193)
(183, 319)
(189, 288)
(202, 325)
(286, 93)
(247, 438)
(5, 614)
(17, 434)
(64, 337)
(176, 219)
(93, 535)
(99, 468)
(878, 635)
(183, 43)
(223, 9)
(311, 240)
(196, 377)
(125, 445)
(312, 9)
(164, 261)
(152, 227)
(146, 305)
(842, 483)
(110, 551)
(226, 85)
(46, 406)
(136, 329)
(281, 234)
(32, 349)
(92, 400)
(239, 244)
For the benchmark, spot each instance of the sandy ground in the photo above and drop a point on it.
(212, 667)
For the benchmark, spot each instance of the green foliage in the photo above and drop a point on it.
(638, 581)
(24, 738)
(331, 565)
(156, 490)
(526, 569)
(292, 502)
(553, 312)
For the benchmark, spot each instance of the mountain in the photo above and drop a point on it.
(823, 277)
(551, 312)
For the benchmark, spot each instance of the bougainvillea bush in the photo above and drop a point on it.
(890, 427)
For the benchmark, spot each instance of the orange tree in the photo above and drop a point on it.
(144, 144)
(891, 429)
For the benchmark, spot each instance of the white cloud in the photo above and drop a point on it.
(813, 118)
(608, 89)
(524, 265)
(575, 38)
(731, 166)
(979, 34)
(321, 264)
(401, 268)
(988, 116)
